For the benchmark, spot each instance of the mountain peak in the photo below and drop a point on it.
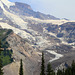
(23, 5)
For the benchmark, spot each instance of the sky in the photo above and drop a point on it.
(58, 8)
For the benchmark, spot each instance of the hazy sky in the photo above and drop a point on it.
(58, 8)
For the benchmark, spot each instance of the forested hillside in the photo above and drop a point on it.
(6, 53)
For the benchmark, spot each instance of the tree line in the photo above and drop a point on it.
(70, 70)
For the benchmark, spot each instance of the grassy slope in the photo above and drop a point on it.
(6, 57)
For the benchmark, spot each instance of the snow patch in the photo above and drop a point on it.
(21, 33)
(1, 5)
(8, 3)
(55, 22)
(1, 18)
(52, 34)
(16, 19)
(57, 55)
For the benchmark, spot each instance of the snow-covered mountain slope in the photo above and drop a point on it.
(21, 33)
(54, 22)
(34, 29)
(14, 18)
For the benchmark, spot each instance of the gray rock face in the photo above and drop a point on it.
(22, 50)
(1, 13)
(26, 10)
(66, 31)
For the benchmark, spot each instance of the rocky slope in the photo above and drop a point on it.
(22, 50)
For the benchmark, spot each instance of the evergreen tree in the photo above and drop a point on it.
(63, 71)
(0, 47)
(73, 67)
(42, 65)
(59, 72)
(1, 70)
(68, 71)
(49, 70)
(21, 68)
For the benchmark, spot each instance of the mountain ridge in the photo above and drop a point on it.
(25, 9)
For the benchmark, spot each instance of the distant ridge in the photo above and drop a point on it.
(25, 9)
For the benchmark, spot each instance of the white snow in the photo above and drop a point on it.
(1, 18)
(21, 33)
(1, 5)
(58, 22)
(57, 55)
(14, 18)
(8, 3)
(53, 34)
